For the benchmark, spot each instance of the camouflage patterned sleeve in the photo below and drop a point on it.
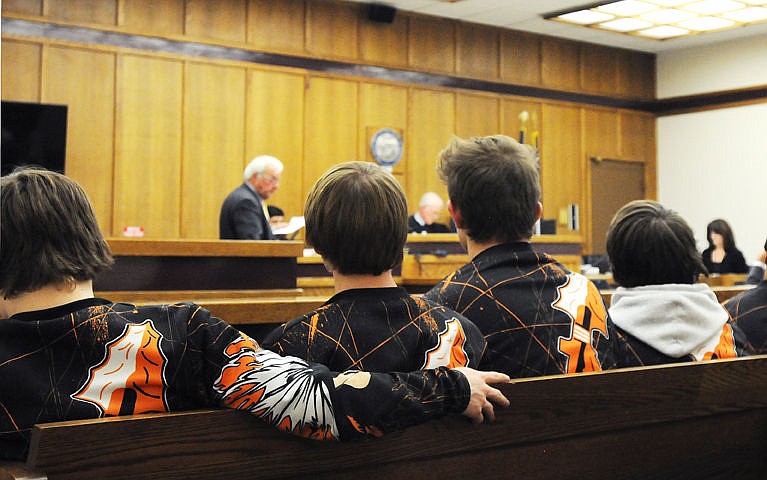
(310, 401)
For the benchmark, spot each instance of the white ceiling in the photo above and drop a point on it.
(526, 15)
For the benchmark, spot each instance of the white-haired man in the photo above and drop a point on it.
(425, 219)
(243, 213)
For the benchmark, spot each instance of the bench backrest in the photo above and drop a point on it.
(702, 420)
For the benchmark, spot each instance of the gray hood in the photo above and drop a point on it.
(675, 319)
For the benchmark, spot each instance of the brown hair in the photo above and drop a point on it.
(722, 228)
(649, 244)
(356, 218)
(48, 231)
(494, 183)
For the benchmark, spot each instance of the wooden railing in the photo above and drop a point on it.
(693, 420)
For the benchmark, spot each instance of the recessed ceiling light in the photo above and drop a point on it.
(663, 19)
(625, 24)
(712, 7)
(586, 17)
(669, 3)
(748, 15)
(671, 15)
(702, 24)
(626, 8)
(662, 32)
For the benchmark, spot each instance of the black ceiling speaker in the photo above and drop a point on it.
(380, 13)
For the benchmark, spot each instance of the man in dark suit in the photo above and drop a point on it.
(243, 213)
(424, 220)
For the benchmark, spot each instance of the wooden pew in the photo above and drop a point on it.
(237, 307)
(692, 420)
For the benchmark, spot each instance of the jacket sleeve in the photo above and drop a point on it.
(311, 401)
(755, 275)
(290, 338)
(248, 221)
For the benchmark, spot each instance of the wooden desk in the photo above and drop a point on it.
(724, 279)
(151, 264)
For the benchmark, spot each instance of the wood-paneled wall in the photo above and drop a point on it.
(159, 139)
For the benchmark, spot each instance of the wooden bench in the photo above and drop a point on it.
(237, 307)
(692, 420)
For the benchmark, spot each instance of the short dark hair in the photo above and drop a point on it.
(649, 244)
(356, 218)
(275, 211)
(493, 182)
(721, 227)
(48, 231)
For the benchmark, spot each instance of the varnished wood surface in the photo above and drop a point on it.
(243, 307)
(140, 247)
(723, 293)
(250, 307)
(262, 310)
(144, 297)
(694, 420)
(150, 65)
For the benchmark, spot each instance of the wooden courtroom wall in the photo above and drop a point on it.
(159, 139)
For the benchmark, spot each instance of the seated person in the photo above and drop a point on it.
(538, 317)
(425, 219)
(722, 256)
(65, 355)
(756, 273)
(661, 314)
(276, 220)
(370, 323)
(276, 217)
(749, 311)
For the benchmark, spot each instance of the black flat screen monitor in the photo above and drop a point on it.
(33, 134)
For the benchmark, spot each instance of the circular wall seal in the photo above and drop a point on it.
(386, 147)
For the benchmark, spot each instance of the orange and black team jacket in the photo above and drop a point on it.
(380, 330)
(93, 358)
(538, 318)
(748, 312)
(669, 323)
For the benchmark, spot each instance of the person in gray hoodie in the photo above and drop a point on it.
(662, 315)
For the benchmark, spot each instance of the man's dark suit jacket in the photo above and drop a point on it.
(414, 226)
(242, 216)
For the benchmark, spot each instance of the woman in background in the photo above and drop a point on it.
(722, 256)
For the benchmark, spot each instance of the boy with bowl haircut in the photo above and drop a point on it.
(356, 218)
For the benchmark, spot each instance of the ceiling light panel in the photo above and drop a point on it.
(626, 24)
(586, 17)
(665, 19)
(663, 32)
(627, 8)
(669, 3)
(714, 7)
(703, 24)
(748, 15)
(667, 16)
